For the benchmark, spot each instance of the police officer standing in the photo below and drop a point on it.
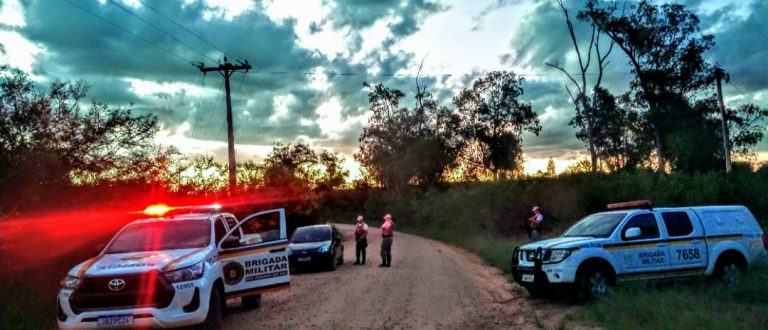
(387, 231)
(536, 222)
(361, 240)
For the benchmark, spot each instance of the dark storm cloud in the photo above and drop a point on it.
(543, 36)
(80, 45)
(742, 45)
(360, 14)
(478, 20)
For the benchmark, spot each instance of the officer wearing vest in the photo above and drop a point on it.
(387, 230)
(361, 240)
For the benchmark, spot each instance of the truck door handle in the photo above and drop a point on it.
(661, 244)
(277, 250)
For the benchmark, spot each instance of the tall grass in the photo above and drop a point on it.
(702, 305)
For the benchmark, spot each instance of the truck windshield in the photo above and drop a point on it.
(311, 234)
(595, 225)
(162, 235)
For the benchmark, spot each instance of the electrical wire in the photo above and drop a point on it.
(197, 109)
(129, 32)
(186, 29)
(343, 74)
(159, 29)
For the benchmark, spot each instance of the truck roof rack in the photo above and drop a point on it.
(639, 204)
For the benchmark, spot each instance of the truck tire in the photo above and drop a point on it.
(332, 265)
(251, 302)
(341, 260)
(728, 271)
(591, 283)
(213, 319)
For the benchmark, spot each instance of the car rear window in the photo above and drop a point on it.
(311, 234)
(677, 223)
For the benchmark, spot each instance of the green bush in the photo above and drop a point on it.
(703, 305)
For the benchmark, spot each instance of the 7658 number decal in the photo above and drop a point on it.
(688, 254)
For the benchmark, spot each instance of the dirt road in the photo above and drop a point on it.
(430, 285)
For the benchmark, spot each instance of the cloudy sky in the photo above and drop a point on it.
(311, 57)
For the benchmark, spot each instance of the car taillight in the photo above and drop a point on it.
(765, 241)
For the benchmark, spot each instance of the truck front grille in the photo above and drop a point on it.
(139, 290)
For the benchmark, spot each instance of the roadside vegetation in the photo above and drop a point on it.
(701, 305)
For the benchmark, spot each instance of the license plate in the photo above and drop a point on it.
(115, 320)
(527, 277)
(304, 258)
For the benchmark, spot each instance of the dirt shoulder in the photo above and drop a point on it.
(430, 285)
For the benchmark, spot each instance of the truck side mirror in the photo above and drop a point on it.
(633, 233)
(230, 242)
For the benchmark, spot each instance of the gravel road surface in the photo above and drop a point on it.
(430, 285)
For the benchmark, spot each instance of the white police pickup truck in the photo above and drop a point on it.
(633, 241)
(177, 271)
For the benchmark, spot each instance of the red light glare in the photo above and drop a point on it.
(157, 210)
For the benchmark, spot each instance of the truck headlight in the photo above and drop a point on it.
(555, 256)
(324, 248)
(70, 282)
(186, 274)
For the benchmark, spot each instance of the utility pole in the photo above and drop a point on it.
(226, 70)
(719, 75)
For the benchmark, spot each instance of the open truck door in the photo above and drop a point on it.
(254, 255)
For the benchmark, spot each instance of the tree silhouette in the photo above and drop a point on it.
(494, 119)
(585, 104)
(47, 136)
(665, 48)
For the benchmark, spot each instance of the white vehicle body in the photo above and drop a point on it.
(670, 242)
(173, 287)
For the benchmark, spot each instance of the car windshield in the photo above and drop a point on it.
(311, 234)
(162, 235)
(595, 225)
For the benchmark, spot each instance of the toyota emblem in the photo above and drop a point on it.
(117, 284)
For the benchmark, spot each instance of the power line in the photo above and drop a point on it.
(342, 74)
(129, 32)
(215, 103)
(199, 103)
(159, 29)
(184, 27)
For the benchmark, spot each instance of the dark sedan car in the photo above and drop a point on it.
(316, 246)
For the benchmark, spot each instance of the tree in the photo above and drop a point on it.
(289, 165)
(46, 136)
(333, 175)
(582, 166)
(401, 146)
(551, 171)
(300, 167)
(746, 127)
(745, 124)
(585, 117)
(494, 119)
(665, 49)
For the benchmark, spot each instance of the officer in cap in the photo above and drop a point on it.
(536, 222)
(387, 230)
(361, 240)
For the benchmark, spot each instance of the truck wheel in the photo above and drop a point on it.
(341, 260)
(332, 266)
(728, 272)
(591, 283)
(214, 318)
(251, 302)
